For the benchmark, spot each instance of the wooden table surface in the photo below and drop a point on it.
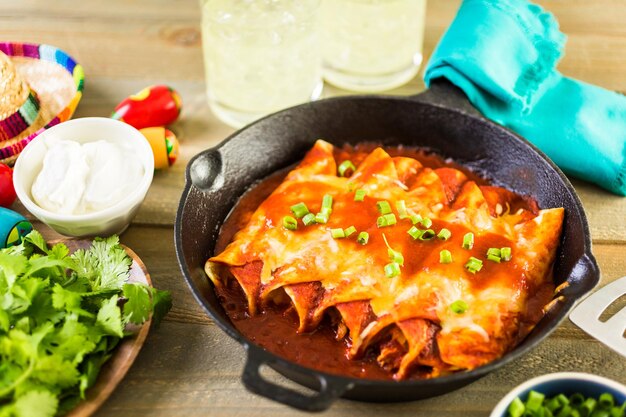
(188, 366)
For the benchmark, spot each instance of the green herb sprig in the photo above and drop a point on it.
(61, 317)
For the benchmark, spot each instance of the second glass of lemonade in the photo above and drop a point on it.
(372, 45)
(260, 56)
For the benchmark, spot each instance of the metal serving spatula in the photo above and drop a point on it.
(586, 315)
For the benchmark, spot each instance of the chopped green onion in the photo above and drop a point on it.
(337, 233)
(383, 207)
(326, 210)
(444, 234)
(494, 252)
(516, 408)
(414, 232)
(445, 257)
(577, 399)
(299, 210)
(395, 256)
(505, 253)
(359, 195)
(534, 400)
(392, 270)
(363, 238)
(606, 400)
(588, 406)
(401, 208)
(308, 219)
(349, 231)
(415, 218)
(493, 258)
(427, 234)
(553, 404)
(321, 218)
(290, 223)
(391, 219)
(459, 306)
(563, 400)
(346, 166)
(386, 220)
(468, 241)
(327, 201)
(426, 222)
(474, 265)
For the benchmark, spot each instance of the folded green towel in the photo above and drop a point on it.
(503, 54)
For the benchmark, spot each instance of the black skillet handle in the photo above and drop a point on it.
(443, 93)
(253, 380)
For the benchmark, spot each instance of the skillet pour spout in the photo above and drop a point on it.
(441, 120)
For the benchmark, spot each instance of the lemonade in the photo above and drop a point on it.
(372, 45)
(260, 56)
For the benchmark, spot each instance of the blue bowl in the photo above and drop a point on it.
(567, 383)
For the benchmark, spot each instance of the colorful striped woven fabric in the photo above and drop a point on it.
(51, 54)
(19, 121)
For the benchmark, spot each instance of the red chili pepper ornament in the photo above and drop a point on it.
(7, 192)
(156, 105)
(164, 146)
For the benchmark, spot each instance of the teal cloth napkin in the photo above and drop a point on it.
(503, 55)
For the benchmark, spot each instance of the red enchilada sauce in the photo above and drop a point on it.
(275, 328)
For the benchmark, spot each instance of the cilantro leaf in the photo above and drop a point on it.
(138, 306)
(36, 404)
(60, 320)
(161, 304)
(110, 318)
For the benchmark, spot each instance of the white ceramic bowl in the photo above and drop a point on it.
(567, 383)
(112, 220)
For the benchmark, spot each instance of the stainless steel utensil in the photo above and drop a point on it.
(586, 315)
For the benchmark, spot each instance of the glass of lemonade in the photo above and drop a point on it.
(260, 56)
(371, 45)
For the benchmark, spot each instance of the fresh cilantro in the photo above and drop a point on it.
(61, 317)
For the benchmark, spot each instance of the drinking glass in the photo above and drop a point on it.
(260, 56)
(371, 45)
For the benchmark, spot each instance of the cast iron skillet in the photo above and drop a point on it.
(440, 119)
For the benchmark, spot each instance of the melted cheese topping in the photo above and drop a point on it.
(318, 272)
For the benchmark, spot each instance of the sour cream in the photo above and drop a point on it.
(85, 178)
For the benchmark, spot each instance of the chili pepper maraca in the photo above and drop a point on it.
(157, 105)
(7, 192)
(164, 145)
(13, 228)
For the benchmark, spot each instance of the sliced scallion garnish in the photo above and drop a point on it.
(383, 207)
(415, 218)
(505, 253)
(474, 265)
(392, 270)
(445, 257)
(427, 234)
(468, 241)
(386, 220)
(459, 307)
(290, 223)
(299, 210)
(327, 201)
(363, 238)
(444, 234)
(321, 218)
(308, 219)
(349, 231)
(426, 222)
(359, 195)
(337, 233)
(414, 232)
(345, 167)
